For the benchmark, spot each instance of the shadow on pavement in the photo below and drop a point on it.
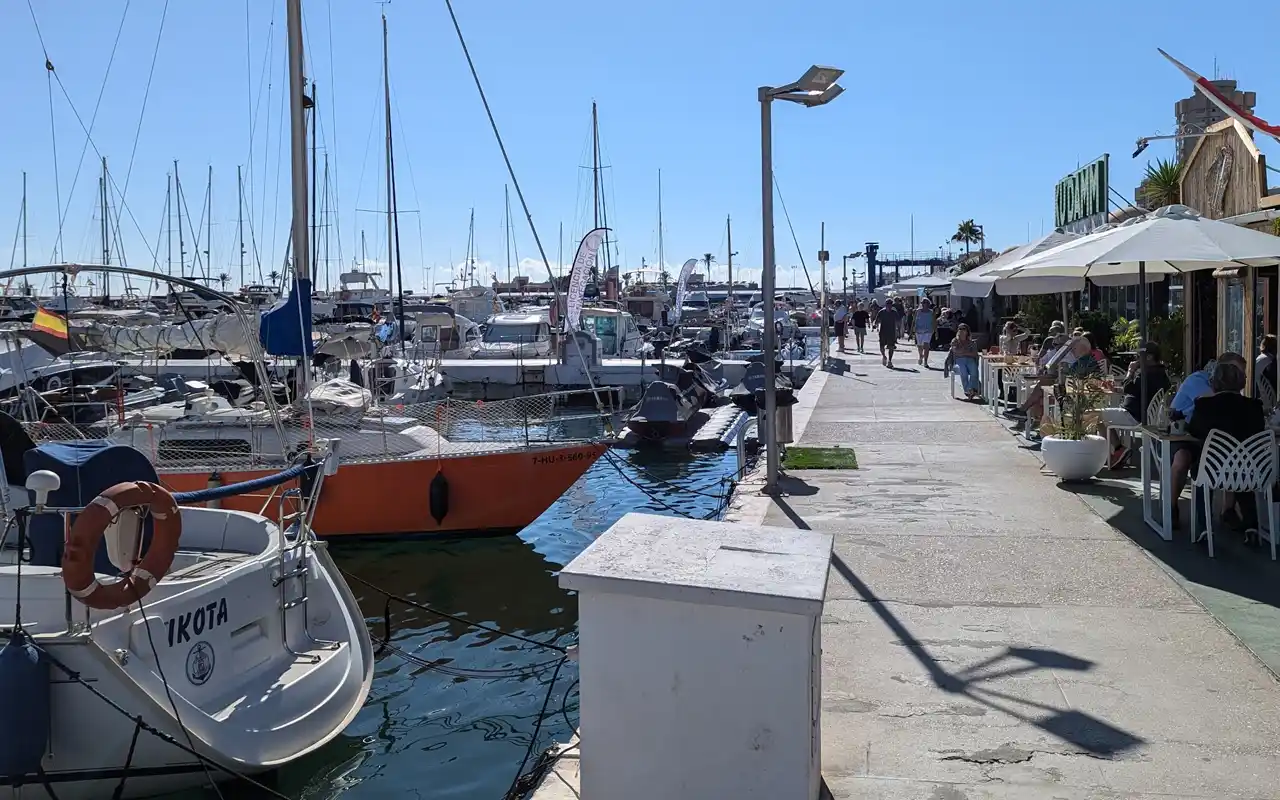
(1092, 735)
(1237, 568)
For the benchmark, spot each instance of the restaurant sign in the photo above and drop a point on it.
(1082, 194)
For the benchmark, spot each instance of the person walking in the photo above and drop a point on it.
(926, 325)
(840, 316)
(887, 323)
(860, 323)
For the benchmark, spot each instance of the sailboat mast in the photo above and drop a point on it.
(728, 234)
(662, 256)
(506, 200)
(168, 215)
(298, 144)
(177, 203)
(240, 219)
(392, 221)
(106, 242)
(24, 220)
(595, 167)
(386, 92)
(470, 274)
(315, 205)
(728, 308)
(208, 223)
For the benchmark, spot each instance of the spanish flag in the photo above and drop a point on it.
(49, 323)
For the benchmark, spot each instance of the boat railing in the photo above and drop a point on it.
(383, 432)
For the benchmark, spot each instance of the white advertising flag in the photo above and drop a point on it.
(682, 287)
(583, 263)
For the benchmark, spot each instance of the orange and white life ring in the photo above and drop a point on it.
(86, 535)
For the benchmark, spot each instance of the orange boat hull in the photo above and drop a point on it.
(492, 493)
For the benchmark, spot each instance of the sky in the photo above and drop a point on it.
(951, 111)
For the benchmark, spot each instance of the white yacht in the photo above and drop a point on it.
(248, 652)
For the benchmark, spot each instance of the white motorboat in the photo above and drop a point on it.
(515, 335)
(249, 652)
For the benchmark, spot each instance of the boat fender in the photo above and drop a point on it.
(86, 534)
(438, 497)
(24, 725)
(215, 482)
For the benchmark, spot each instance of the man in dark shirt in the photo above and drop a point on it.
(1229, 411)
(861, 320)
(887, 322)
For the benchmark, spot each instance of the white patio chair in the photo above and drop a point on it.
(1264, 392)
(1229, 465)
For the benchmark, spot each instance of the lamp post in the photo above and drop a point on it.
(845, 260)
(815, 88)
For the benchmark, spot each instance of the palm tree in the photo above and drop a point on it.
(224, 279)
(1161, 184)
(274, 277)
(967, 232)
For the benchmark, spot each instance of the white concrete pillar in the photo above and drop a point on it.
(700, 658)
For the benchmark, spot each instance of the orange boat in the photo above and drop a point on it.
(498, 492)
(445, 467)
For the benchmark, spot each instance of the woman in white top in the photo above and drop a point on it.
(1011, 340)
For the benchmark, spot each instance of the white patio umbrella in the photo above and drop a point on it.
(980, 281)
(1170, 241)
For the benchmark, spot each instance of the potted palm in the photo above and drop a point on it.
(1074, 451)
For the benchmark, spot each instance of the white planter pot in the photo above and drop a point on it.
(1074, 460)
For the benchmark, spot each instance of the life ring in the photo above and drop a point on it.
(53, 383)
(86, 534)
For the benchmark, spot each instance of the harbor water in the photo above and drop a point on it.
(453, 709)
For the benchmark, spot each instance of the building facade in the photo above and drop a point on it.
(1196, 113)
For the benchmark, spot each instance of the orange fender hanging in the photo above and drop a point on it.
(86, 535)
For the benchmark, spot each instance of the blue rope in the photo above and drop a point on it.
(244, 487)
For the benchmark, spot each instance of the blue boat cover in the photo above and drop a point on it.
(87, 467)
(285, 329)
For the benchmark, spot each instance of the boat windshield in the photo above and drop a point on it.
(496, 334)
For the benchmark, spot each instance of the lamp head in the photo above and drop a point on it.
(817, 79)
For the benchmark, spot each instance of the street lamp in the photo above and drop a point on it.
(846, 276)
(816, 87)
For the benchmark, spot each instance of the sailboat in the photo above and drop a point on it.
(248, 652)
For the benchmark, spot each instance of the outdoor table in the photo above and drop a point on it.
(992, 367)
(1157, 451)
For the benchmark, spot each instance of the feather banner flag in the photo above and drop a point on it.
(682, 287)
(583, 263)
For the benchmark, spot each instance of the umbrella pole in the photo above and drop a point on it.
(1142, 339)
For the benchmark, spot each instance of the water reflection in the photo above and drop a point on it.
(430, 735)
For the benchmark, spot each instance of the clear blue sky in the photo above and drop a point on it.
(951, 111)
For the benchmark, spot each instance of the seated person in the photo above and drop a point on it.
(1264, 367)
(1074, 358)
(1194, 386)
(1229, 411)
(1134, 406)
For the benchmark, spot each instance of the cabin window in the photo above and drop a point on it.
(498, 334)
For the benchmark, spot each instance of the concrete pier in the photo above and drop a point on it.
(988, 633)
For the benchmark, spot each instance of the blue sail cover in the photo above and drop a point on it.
(285, 329)
(87, 467)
